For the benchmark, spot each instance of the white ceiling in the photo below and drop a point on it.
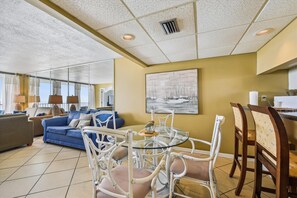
(209, 28)
(32, 40)
(95, 73)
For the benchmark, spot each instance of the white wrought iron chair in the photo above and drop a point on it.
(104, 140)
(122, 181)
(164, 117)
(192, 166)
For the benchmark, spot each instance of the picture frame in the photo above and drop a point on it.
(174, 90)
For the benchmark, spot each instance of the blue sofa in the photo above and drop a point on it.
(57, 131)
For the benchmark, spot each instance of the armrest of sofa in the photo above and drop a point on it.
(38, 128)
(56, 121)
(40, 117)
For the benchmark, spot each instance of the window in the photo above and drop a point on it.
(64, 90)
(84, 95)
(44, 91)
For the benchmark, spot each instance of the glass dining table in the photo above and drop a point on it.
(163, 140)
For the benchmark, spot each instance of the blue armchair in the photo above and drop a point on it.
(57, 131)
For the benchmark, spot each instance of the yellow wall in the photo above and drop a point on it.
(98, 93)
(221, 80)
(279, 50)
(24, 88)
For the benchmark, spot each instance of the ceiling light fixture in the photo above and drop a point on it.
(128, 37)
(265, 31)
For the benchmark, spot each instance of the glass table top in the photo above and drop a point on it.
(165, 137)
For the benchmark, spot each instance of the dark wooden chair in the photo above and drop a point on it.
(272, 151)
(247, 138)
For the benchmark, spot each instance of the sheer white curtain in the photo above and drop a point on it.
(34, 84)
(57, 87)
(77, 88)
(11, 90)
(91, 102)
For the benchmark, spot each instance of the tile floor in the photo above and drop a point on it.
(47, 170)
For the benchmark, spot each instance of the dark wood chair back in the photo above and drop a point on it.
(272, 148)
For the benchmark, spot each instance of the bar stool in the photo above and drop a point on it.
(247, 138)
(272, 151)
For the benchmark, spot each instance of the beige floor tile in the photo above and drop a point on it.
(80, 190)
(56, 193)
(225, 183)
(221, 161)
(191, 189)
(67, 149)
(81, 175)
(51, 149)
(83, 154)
(13, 162)
(17, 187)
(248, 178)
(82, 162)
(68, 155)
(25, 153)
(266, 182)
(5, 173)
(246, 192)
(53, 180)
(62, 165)
(29, 170)
(6, 154)
(42, 158)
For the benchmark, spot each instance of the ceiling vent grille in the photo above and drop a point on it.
(170, 26)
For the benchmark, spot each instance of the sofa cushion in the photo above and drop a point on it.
(74, 133)
(73, 115)
(83, 123)
(59, 129)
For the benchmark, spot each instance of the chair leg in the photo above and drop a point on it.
(258, 177)
(171, 185)
(243, 170)
(235, 157)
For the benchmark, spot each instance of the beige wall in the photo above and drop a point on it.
(221, 80)
(278, 51)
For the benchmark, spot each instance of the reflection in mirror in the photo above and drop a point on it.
(81, 87)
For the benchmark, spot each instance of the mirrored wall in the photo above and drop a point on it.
(87, 86)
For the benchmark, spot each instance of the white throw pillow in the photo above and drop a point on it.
(73, 123)
(84, 116)
(83, 123)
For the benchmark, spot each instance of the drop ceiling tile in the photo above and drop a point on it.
(277, 24)
(215, 52)
(278, 8)
(155, 60)
(145, 51)
(178, 45)
(220, 14)
(185, 20)
(248, 47)
(116, 32)
(188, 54)
(144, 7)
(221, 38)
(97, 14)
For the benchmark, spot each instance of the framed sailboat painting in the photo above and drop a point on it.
(174, 90)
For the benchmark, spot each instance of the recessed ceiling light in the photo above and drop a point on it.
(128, 37)
(265, 31)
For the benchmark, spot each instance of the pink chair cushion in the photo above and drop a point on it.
(197, 170)
(120, 175)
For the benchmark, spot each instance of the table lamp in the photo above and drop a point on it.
(72, 100)
(18, 100)
(34, 99)
(55, 99)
